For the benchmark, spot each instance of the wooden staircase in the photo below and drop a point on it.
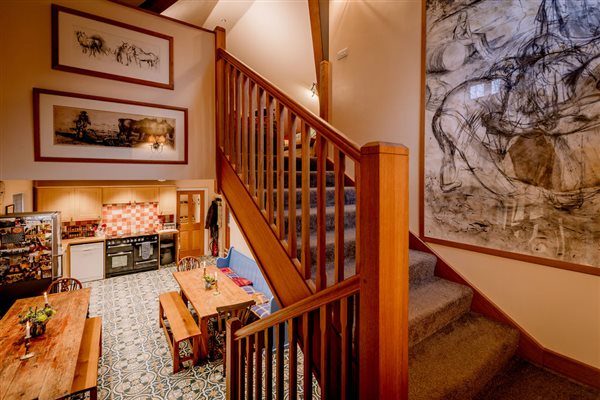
(327, 222)
(287, 177)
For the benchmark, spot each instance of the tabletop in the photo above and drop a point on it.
(49, 374)
(205, 302)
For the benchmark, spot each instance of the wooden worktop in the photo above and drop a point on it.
(82, 240)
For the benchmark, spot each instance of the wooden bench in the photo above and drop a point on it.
(86, 370)
(182, 325)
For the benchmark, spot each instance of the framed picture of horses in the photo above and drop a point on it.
(510, 161)
(97, 46)
(71, 127)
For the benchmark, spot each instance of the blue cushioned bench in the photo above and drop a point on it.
(246, 267)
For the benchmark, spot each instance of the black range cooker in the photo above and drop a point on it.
(130, 254)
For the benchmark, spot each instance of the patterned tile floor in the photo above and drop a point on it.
(136, 362)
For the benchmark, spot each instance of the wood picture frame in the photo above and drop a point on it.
(91, 45)
(72, 127)
(510, 164)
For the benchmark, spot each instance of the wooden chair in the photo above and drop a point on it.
(64, 285)
(241, 311)
(188, 263)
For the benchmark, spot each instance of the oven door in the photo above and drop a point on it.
(120, 262)
(146, 255)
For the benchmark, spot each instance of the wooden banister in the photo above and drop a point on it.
(347, 145)
(333, 293)
(284, 171)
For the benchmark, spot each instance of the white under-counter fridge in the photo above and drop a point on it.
(87, 261)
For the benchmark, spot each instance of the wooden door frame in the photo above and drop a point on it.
(206, 205)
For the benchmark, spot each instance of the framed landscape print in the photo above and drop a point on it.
(72, 127)
(511, 131)
(97, 46)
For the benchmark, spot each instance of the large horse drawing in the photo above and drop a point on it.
(531, 120)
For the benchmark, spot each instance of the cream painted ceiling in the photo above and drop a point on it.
(205, 13)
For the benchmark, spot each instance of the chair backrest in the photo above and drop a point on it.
(64, 285)
(188, 263)
(240, 311)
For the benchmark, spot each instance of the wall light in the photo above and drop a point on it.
(313, 89)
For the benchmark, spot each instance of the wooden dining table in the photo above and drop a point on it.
(205, 301)
(49, 373)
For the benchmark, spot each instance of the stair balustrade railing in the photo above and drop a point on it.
(260, 360)
(275, 161)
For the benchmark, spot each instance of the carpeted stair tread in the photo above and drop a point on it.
(525, 381)
(349, 197)
(349, 219)
(459, 360)
(434, 304)
(349, 245)
(329, 179)
(349, 270)
(421, 266)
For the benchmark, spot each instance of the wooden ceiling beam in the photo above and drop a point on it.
(318, 11)
(157, 6)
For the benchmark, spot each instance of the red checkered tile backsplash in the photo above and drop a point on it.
(124, 219)
(120, 219)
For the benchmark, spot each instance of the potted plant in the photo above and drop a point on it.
(209, 281)
(38, 319)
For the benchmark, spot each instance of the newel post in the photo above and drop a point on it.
(232, 360)
(383, 266)
(220, 101)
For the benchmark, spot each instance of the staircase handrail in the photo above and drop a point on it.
(333, 293)
(346, 144)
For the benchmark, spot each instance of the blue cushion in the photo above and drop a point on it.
(261, 310)
(247, 268)
(248, 289)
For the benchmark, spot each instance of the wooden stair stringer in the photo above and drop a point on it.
(280, 272)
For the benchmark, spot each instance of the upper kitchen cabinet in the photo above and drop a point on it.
(144, 194)
(116, 195)
(74, 204)
(167, 200)
(124, 195)
(88, 203)
(57, 199)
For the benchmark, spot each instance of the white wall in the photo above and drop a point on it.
(26, 63)
(376, 96)
(236, 238)
(273, 38)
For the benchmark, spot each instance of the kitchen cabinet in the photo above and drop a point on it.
(116, 195)
(88, 204)
(74, 204)
(144, 194)
(57, 199)
(167, 200)
(123, 195)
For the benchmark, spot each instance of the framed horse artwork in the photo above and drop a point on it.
(510, 161)
(97, 46)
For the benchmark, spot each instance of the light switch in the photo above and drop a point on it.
(343, 53)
